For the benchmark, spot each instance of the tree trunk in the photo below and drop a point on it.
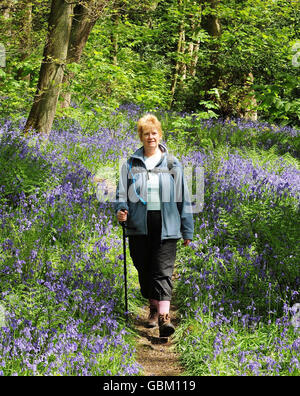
(85, 17)
(114, 40)
(210, 22)
(182, 65)
(43, 109)
(194, 57)
(177, 66)
(180, 50)
(7, 7)
(249, 103)
(212, 25)
(195, 43)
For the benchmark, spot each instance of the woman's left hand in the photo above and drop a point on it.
(186, 242)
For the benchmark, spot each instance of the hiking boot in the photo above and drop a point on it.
(165, 326)
(152, 318)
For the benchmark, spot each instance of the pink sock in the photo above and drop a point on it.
(153, 303)
(163, 307)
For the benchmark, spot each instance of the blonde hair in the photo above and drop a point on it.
(148, 120)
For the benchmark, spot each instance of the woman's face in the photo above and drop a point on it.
(150, 137)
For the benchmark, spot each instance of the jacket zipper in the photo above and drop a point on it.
(160, 194)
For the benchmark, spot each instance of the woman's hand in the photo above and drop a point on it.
(122, 215)
(186, 242)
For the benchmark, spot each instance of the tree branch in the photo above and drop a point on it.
(71, 3)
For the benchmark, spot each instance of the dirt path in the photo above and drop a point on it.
(157, 355)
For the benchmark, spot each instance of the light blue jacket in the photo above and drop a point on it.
(177, 217)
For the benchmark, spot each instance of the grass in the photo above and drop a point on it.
(239, 352)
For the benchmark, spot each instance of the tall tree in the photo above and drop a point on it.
(86, 14)
(188, 45)
(180, 49)
(114, 39)
(69, 26)
(210, 22)
(248, 101)
(211, 19)
(42, 113)
(194, 44)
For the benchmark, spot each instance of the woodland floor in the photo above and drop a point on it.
(156, 355)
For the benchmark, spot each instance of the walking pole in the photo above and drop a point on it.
(125, 270)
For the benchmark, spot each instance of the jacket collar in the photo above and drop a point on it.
(139, 153)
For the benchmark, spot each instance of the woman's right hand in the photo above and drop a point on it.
(122, 215)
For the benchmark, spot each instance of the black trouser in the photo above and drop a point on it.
(154, 259)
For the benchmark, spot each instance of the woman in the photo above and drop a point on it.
(153, 198)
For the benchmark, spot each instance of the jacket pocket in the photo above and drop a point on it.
(171, 220)
(136, 217)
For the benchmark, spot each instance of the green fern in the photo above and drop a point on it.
(21, 169)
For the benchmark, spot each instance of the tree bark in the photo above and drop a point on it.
(114, 41)
(210, 22)
(195, 42)
(7, 7)
(43, 109)
(212, 25)
(180, 50)
(249, 103)
(194, 51)
(177, 66)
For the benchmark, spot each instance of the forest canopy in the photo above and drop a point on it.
(213, 58)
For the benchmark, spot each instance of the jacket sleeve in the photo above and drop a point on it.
(185, 209)
(121, 201)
